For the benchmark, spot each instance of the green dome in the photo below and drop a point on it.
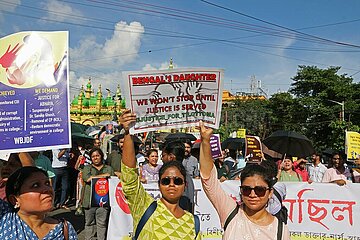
(93, 101)
(123, 103)
(108, 102)
(86, 102)
(75, 102)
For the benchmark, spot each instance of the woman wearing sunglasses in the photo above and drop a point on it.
(168, 220)
(252, 220)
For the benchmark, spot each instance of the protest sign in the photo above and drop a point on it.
(241, 133)
(100, 192)
(352, 145)
(172, 98)
(215, 146)
(253, 149)
(34, 95)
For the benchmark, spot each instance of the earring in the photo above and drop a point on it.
(17, 205)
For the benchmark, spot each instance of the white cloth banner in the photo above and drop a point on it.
(316, 211)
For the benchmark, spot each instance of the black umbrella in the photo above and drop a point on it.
(135, 139)
(289, 143)
(81, 138)
(180, 136)
(233, 143)
(78, 128)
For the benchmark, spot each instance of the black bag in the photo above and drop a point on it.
(282, 214)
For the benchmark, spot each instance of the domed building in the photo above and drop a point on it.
(90, 109)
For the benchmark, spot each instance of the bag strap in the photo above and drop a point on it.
(145, 217)
(231, 216)
(277, 194)
(279, 230)
(65, 229)
(197, 225)
(352, 175)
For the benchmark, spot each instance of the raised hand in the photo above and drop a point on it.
(206, 161)
(9, 56)
(127, 119)
(205, 132)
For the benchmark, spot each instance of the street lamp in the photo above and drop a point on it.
(342, 117)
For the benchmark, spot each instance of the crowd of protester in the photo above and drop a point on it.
(63, 179)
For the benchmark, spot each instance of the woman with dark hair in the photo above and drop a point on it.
(30, 198)
(287, 172)
(167, 220)
(250, 220)
(96, 218)
(149, 172)
(339, 173)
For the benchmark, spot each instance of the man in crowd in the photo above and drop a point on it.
(316, 169)
(190, 162)
(97, 143)
(114, 158)
(59, 164)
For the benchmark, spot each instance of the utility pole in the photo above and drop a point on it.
(342, 113)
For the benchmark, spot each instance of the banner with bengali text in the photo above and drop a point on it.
(173, 98)
(316, 211)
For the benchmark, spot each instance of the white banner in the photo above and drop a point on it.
(316, 211)
(173, 98)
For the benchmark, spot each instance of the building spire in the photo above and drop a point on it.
(171, 65)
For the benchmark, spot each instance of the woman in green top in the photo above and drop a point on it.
(169, 221)
(287, 173)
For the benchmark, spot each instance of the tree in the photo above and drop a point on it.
(286, 112)
(250, 114)
(315, 90)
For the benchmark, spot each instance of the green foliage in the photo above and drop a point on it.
(307, 108)
(253, 115)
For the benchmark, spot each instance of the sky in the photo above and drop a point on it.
(264, 40)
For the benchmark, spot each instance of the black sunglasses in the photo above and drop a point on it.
(176, 180)
(259, 190)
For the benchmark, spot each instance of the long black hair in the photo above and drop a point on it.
(17, 179)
